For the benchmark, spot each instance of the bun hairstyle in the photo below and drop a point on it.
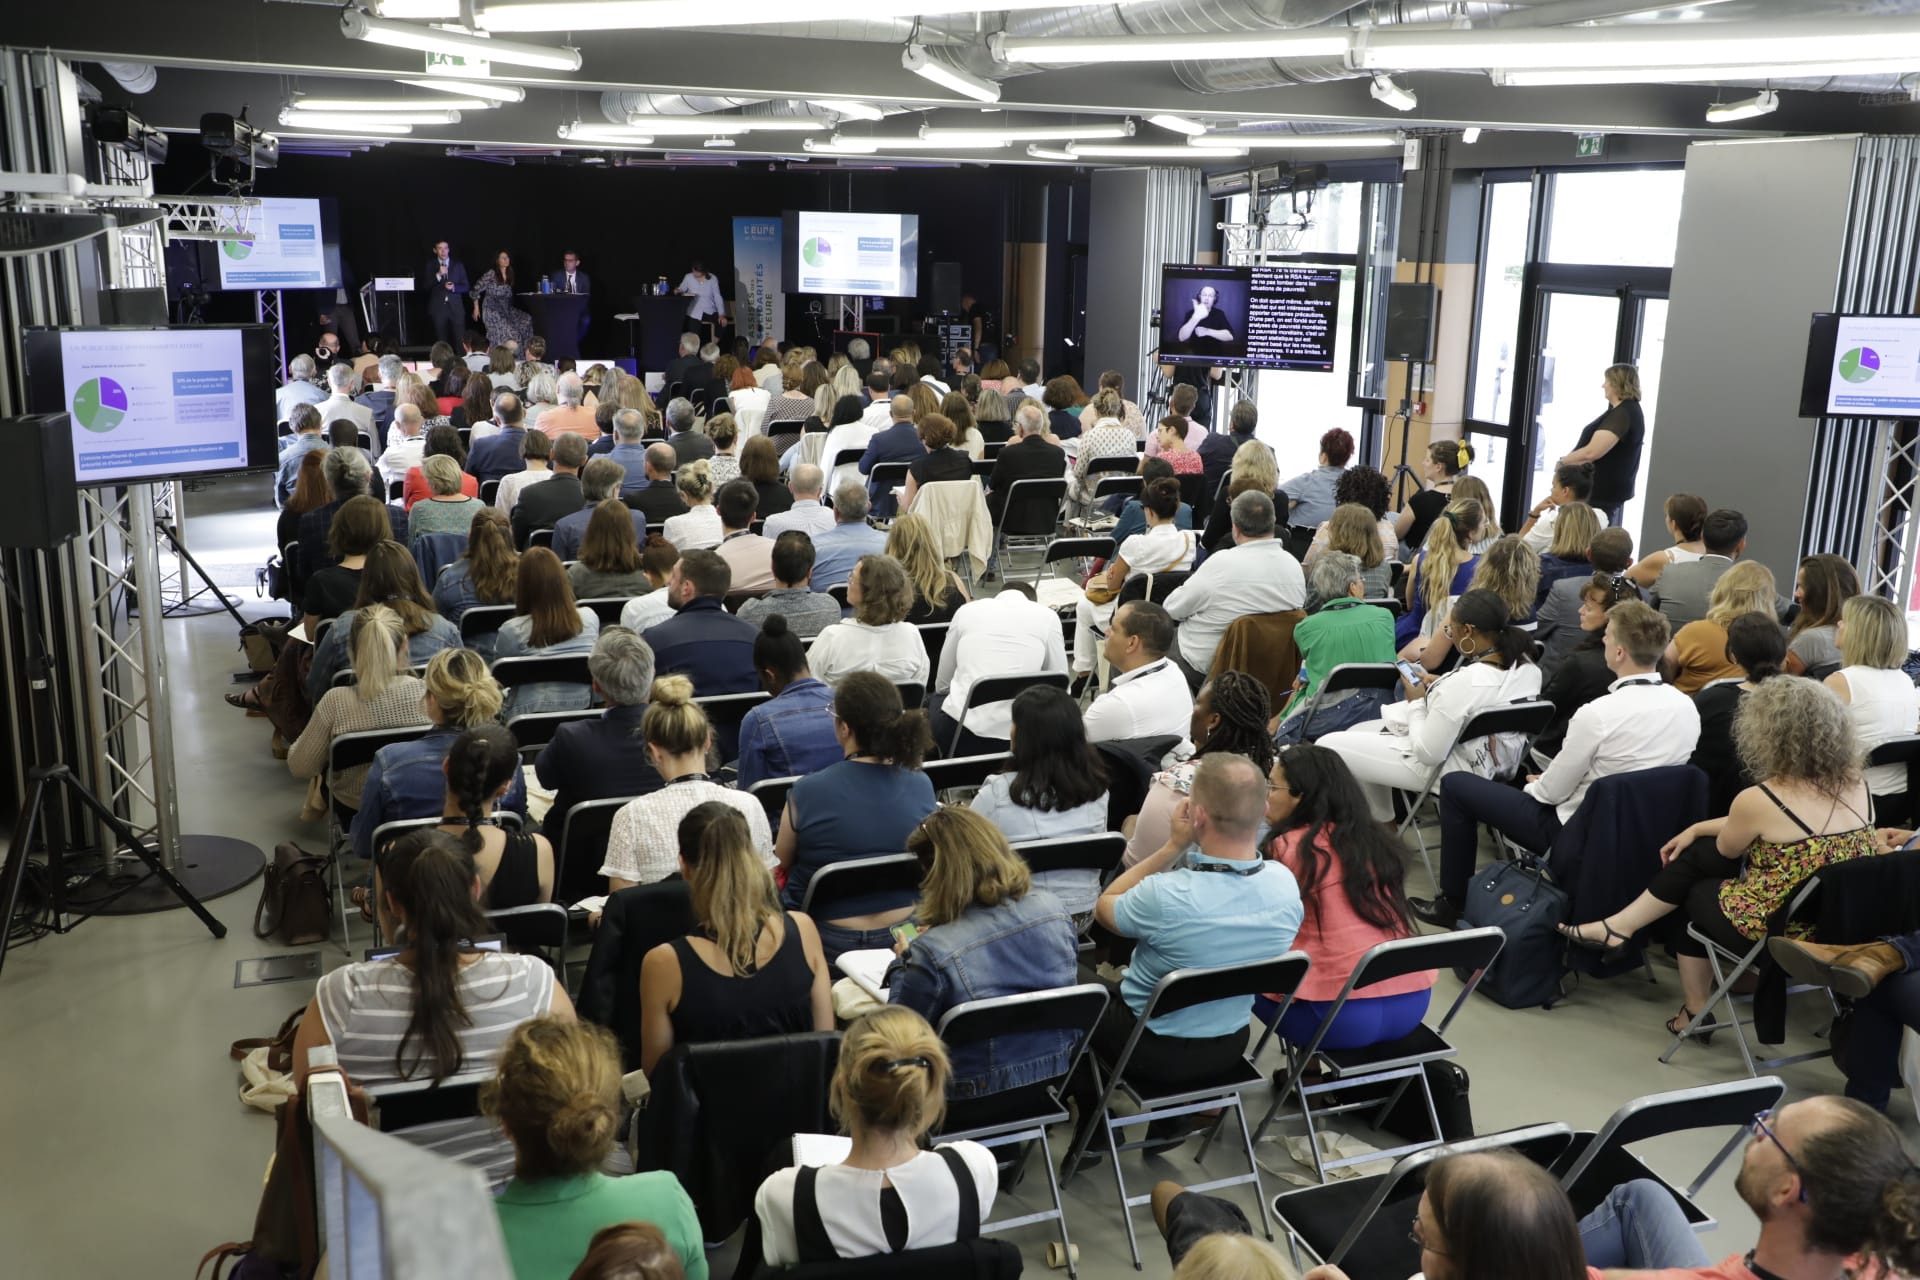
(481, 761)
(1454, 456)
(733, 893)
(1688, 512)
(778, 649)
(467, 693)
(429, 878)
(694, 480)
(673, 721)
(1757, 645)
(892, 1074)
(869, 706)
(557, 1094)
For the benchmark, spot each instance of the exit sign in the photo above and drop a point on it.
(456, 64)
(1590, 145)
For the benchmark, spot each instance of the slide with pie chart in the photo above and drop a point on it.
(154, 402)
(1876, 367)
(286, 252)
(876, 254)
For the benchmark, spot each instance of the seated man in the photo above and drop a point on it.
(836, 551)
(999, 635)
(807, 514)
(302, 387)
(1882, 979)
(569, 412)
(545, 505)
(1684, 588)
(702, 641)
(599, 480)
(1641, 723)
(1255, 575)
(748, 555)
(657, 500)
(408, 450)
(1148, 696)
(503, 452)
(627, 449)
(808, 612)
(792, 734)
(1029, 456)
(341, 380)
(603, 758)
(305, 439)
(899, 442)
(1572, 482)
(687, 440)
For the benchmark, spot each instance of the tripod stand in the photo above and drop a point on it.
(183, 608)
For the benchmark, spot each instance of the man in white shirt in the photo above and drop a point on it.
(806, 515)
(857, 435)
(1256, 575)
(303, 387)
(341, 404)
(1032, 387)
(705, 307)
(879, 408)
(1148, 698)
(476, 356)
(1572, 482)
(1002, 635)
(1639, 723)
(406, 444)
(929, 370)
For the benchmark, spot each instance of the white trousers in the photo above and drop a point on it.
(1086, 616)
(1380, 761)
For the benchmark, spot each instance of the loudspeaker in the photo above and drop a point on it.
(945, 296)
(133, 306)
(39, 502)
(1410, 311)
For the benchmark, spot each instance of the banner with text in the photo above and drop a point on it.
(756, 269)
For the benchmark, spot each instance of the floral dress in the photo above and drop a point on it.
(505, 322)
(1775, 868)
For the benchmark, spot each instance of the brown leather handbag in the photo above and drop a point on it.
(294, 898)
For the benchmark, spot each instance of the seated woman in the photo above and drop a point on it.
(1474, 489)
(1064, 400)
(486, 575)
(1821, 586)
(986, 930)
(1057, 787)
(1582, 673)
(547, 623)
(1230, 714)
(1352, 876)
(1574, 528)
(389, 577)
(889, 1195)
(446, 509)
(1758, 646)
(942, 462)
(309, 494)
(957, 409)
(644, 843)
(609, 563)
(1171, 434)
(1162, 548)
(515, 869)
(1107, 436)
(760, 463)
(938, 592)
(1344, 629)
(1354, 530)
(878, 638)
(1441, 570)
(384, 695)
(698, 528)
(725, 434)
(536, 451)
(442, 442)
(1697, 654)
(1808, 809)
(1510, 569)
(1398, 750)
(1686, 520)
(1365, 485)
(557, 1095)
(862, 807)
(790, 734)
(1253, 471)
(750, 969)
(1882, 702)
(1441, 471)
(649, 607)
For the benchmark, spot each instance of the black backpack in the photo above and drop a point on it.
(1520, 900)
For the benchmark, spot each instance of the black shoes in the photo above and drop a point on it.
(1440, 911)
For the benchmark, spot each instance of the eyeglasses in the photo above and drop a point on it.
(1420, 1240)
(1761, 1128)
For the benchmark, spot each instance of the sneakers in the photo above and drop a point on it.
(1440, 911)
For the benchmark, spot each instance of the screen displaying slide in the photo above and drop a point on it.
(287, 250)
(877, 254)
(1265, 317)
(1876, 367)
(160, 402)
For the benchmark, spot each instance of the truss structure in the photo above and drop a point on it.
(207, 217)
(1891, 530)
(1255, 242)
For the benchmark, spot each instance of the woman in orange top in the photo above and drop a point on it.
(1352, 879)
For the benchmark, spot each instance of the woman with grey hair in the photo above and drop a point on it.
(1343, 629)
(445, 509)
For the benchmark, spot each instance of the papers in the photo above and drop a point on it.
(300, 633)
(592, 905)
(868, 969)
(818, 1149)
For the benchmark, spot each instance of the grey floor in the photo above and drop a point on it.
(127, 1153)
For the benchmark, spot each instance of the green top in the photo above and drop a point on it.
(1342, 631)
(549, 1223)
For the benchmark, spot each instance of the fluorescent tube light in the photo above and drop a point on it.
(364, 119)
(348, 127)
(1149, 151)
(403, 35)
(1681, 75)
(1662, 45)
(1293, 141)
(712, 126)
(1239, 44)
(916, 59)
(472, 88)
(608, 134)
(1050, 133)
(838, 147)
(1766, 102)
(391, 105)
(718, 142)
(987, 140)
(847, 109)
(437, 10)
(1178, 124)
(607, 15)
(1051, 153)
(1394, 95)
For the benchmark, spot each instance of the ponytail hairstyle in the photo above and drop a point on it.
(492, 563)
(465, 691)
(629, 1251)
(1454, 456)
(375, 642)
(1245, 708)
(868, 704)
(1332, 811)
(1474, 489)
(892, 1073)
(1486, 612)
(1861, 1187)
(733, 893)
(481, 761)
(557, 1094)
(1445, 550)
(1688, 512)
(428, 880)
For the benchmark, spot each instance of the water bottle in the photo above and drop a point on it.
(546, 284)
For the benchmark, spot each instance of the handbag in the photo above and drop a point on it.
(294, 901)
(266, 1065)
(1519, 899)
(1103, 593)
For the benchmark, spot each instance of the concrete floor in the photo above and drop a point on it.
(127, 1153)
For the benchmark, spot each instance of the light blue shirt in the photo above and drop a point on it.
(1311, 494)
(1188, 919)
(1077, 890)
(836, 551)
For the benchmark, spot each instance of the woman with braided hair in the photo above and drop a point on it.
(1230, 713)
(515, 869)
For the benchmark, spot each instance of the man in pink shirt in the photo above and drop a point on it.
(569, 414)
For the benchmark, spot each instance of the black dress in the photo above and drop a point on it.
(925, 611)
(1714, 753)
(940, 465)
(776, 999)
(516, 881)
(1426, 506)
(1614, 473)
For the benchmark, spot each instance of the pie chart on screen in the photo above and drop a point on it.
(817, 251)
(236, 249)
(1859, 364)
(100, 404)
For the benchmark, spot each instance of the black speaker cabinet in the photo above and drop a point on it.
(1410, 313)
(945, 294)
(133, 306)
(39, 503)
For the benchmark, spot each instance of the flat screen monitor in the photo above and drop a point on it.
(1861, 366)
(295, 245)
(877, 254)
(158, 404)
(1254, 317)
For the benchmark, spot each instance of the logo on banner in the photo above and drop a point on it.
(756, 260)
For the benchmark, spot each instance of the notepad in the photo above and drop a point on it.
(819, 1149)
(868, 969)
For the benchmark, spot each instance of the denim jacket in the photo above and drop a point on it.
(1016, 947)
(406, 781)
(790, 734)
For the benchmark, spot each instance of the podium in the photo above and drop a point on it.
(388, 310)
(654, 324)
(556, 317)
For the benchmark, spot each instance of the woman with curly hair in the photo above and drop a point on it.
(1808, 809)
(1230, 713)
(1367, 486)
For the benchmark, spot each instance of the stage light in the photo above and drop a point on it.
(1764, 103)
(390, 105)
(916, 59)
(297, 116)
(472, 88)
(1239, 44)
(1293, 141)
(1470, 134)
(402, 35)
(1691, 45)
(1048, 133)
(1149, 151)
(847, 109)
(1178, 124)
(609, 15)
(709, 126)
(1051, 153)
(1394, 95)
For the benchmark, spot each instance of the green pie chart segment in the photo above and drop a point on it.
(100, 404)
(816, 251)
(1859, 364)
(236, 249)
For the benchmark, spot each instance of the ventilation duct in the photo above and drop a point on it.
(134, 77)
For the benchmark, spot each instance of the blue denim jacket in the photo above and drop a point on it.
(331, 655)
(790, 734)
(1006, 950)
(406, 781)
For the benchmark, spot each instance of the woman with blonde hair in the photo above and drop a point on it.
(991, 415)
(1612, 442)
(985, 930)
(556, 1092)
(1697, 654)
(877, 637)
(889, 1091)
(1511, 570)
(925, 399)
(1440, 571)
(937, 590)
(1821, 587)
(445, 509)
(1354, 530)
(644, 840)
(383, 695)
(609, 563)
(698, 528)
(547, 623)
(1474, 489)
(486, 575)
(1253, 471)
(1575, 526)
(1881, 700)
(749, 969)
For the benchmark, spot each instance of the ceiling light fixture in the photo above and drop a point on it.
(1239, 44)
(1051, 153)
(436, 10)
(1400, 98)
(1048, 133)
(1680, 75)
(390, 105)
(608, 15)
(848, 109)
(980, 140)
(837, 146)
(1662, 45)
(1470, 134)
(1764, 103)
(1293, 141)
(297, 115)
(718, 142)
(604, 134)
(916, 59)
(472, 88)
(402, 35)
(1149, 151)
(348, 127)
(711, 126)
(1178, 124)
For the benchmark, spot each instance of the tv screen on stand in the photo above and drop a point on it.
(1249, 317)
(1862, 366)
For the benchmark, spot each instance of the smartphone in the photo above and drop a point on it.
(1407, 669)
(905, 933)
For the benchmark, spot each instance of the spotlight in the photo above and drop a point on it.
(1386, 90)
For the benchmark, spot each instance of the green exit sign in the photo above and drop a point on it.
(1590, 145)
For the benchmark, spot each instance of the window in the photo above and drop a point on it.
(1503, 265)
(1617, 217)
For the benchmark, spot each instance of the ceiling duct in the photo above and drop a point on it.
(134, 77)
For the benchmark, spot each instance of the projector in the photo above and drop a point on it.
(234, 138)
(119, 127)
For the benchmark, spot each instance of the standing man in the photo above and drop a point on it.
(446, 289)
(574, 280)
(706, 309)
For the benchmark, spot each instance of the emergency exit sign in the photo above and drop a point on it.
(1589, 145)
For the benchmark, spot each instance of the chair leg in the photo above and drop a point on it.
(1059, 1209)
(1259, 1189)
(1120, 1182)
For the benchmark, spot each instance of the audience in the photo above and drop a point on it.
(1229, 717)
(1572, 486)
(499, 454)
(515, 869)
(306, 439)
(760, 464)
(699, 527)
(1698, 654)
(1253, 471)
(1355, 530)
(1443, 467)
(569, 413)
(446, 509)
(441, 441)
(544, 506)
(941, 461)
(1345, 629)
(1441, 570)
(1567, 555)
(659, 498)
(1366, 487)
(749, 555)
(1171, 437)
(1006, 634)
(938, 592)
(1684, 589)
(390, 578)
(792, 733)
(702, 641)
(1582, 674)
(1056, 787)
(877, 638)
(609, 557)
(407, 443)
(1163, 548)
(340, 404)
(1029, 456)
(1686, 515)
(1256, 575)
(539, 453)
(1559, 623)
(652, 607)
(1148, 697)
(606, 756)
(806, 515)
(1881, 700)
(384, 695)
(1313, 492)
(629, 448)
(1510, 570)
(807, 612)
(1758, 647)
(306, 491)
(547, 623)
(347, 473)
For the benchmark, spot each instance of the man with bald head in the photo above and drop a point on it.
(657, 499)
(406, 443)
(899, 442)
(806, 515)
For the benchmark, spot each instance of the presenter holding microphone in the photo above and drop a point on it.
(445, 284)
(706, 309)
(573, 280)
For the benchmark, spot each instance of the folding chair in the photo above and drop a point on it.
(1897, 808)
(1057, 592)
(540, 538)
(1360, 1224)
(536, 928)
(349, 751)
(846, 458)
(484, 620)
(535, 729)
(934, 636)
(563, 668)
(772, 794)
(1344, 678)
(403, 1105)
(727, 711)
(838, 591)
(581, 850)
(1596, 1163)
(1107, 486)
(395, 488)
(1000, 689)
(885, 476)
(1392, 604)
(1099, 854)
(1404, 1060)
(1072, 1010)
(836, 882)
(1127, 464)
(1184, 989)
(1029, 517)
(489, 491)
(913, 697)
(605, 608)
(1528, 718)
(983, 467)
(964, 771)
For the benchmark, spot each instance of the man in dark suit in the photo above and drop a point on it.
(898, 441)
(1029, 457)
(704, 642)
(604, 758)
(657, 499)
(445, 283)
(504, 452)
(573, 280)
(542, 506)
(379, 399)
(687, 443)
(687, 368)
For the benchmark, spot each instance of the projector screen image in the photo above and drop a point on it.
(150, 404)
(1862, 367)
(290, 249)
(1271, 317)
(876, 254)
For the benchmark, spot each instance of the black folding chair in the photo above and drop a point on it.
(489, 491)
(913, 697)
(934, 636)
(983, 467)
(580, 851)
(401, 1105)
(395, 489)
(1099, 853)
(562, 668)
(349, 751)
(1107, 486)
(1527, 718)
(964, 771)
(605, 608)
(1346, 677)
(1897, 809)
(886, 475)
(846, 458)
(727, 711)
(535, 729)
(1392, 604)
(837, 882)
(1029, 517)
(1115, 464)
(484, 620)
(540, 538)
(993, 689)
(772, 794)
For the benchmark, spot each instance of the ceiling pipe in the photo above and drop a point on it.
(134, 77)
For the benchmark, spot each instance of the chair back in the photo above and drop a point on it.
(634, 922)
(541, 538)
(535, 729)
(934, 636)
(1116, 463)
(772, 794)
(726, 711)
(983, 467)
(913, 697)
(1731, 1104)
(1076, 1009)
(964, 771)
(408, 1104)
(1099, 853)
(847, 457)
(1060, 549)
(1299, 538)
(1361, 675)
(605, 608)
(581, 850)
(1392, 604)
(1032, 508)
(484, 620)
(992, 689)
(352, 750)
(395, 490)
(1185, 988)
(533, 927)
(839, 593)
(733, 600)
(489, 491)
(1131, 764)
(561, 668)
(885, 475)
(1108, 486)
(1470, 950)
(1529, 718)
(836, 882)
(1193, 492)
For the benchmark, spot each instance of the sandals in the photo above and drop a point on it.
(1680, 1021)
(362, 897)
(247, 702)
(1611, 946)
